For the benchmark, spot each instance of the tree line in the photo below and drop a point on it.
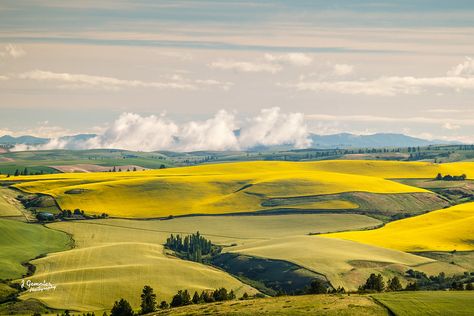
(376, 283)
(449, 177)
(148, 302)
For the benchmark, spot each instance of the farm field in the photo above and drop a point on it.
(112, 252)
(443, 230)
(111, 262)
(21, 242)
(344, 263)
(287, 305)
(54, 161)
(428, 303)
(9, 206)
(217, 189)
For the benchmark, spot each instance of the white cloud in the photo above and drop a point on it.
(274, 128)
(464, 69)
(389, 119)
(12, 51)
(3, 78)
(451, 126)
(83, 81)
(134, 132)
(343, 69)
(385, 86)
(216, 133)
(244, 66)
(296, 59)
(458, 79)
(149, 133)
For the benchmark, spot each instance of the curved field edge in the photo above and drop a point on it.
(117, 257)
(22, 242)
(110, 262)
(450, 229)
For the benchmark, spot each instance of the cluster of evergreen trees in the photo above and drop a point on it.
(376, 283)
(24, 172)
(441, 281)
(448, 177)
(183, 298)
(192, 247)
(148, 301)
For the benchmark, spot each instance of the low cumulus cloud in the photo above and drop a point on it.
(221, 132)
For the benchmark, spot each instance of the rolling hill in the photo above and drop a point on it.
(212, 189)
(22, 242)
(443, 230)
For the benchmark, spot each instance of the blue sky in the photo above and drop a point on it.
(346, 66)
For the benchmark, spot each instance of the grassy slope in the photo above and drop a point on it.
(21, 242)
(443, 230)
(116, 257)
(9, 206)
(293, 305)
(113, 262)
(42, 160)
(344, 263)
(211, 189)
(428, 303)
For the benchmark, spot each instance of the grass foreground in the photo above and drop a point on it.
(457, 303)
(287, 305)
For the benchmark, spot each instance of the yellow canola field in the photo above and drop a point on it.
(443, 230)
(207, 189)
(396, 169)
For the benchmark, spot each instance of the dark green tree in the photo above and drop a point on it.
(121, 308)
(220, 295)
(164, 305)
(148, 303)
(17, 173)
(196, 298)
(394, 284)
(181, 298)
(469, 287)
(412, 286)
(374, 283)
(317, 287)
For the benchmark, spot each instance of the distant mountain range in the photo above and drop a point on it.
(33, 140)
(342, 140)
(345, 140)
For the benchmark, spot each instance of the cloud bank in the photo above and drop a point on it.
(83, 81)
(221, 132)
(459, 78)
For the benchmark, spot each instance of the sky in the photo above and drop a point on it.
(142, 74)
